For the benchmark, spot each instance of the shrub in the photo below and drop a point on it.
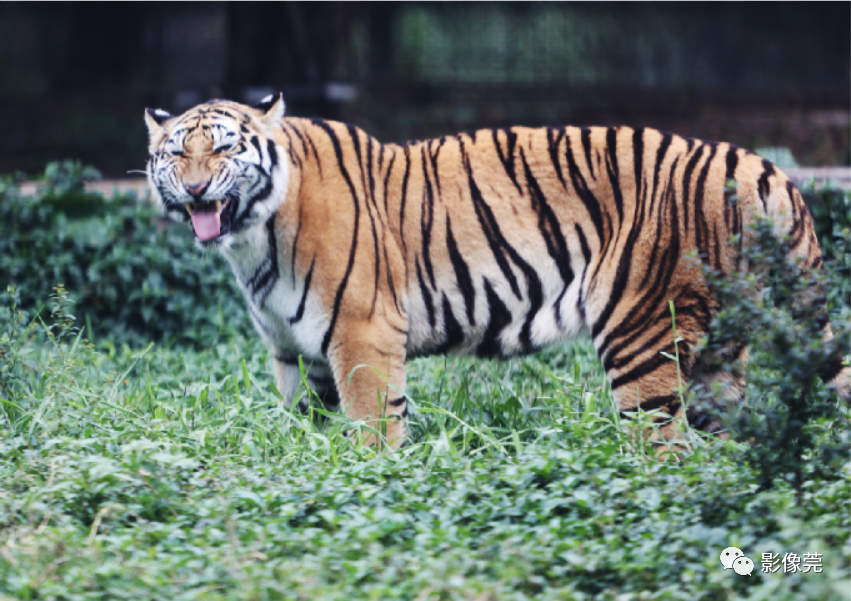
(831, 211)
(131, 274)
(778, 310)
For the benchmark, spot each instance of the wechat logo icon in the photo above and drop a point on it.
(731, 557)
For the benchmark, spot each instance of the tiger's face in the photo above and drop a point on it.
(217, 166)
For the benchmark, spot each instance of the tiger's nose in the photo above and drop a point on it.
(196, 191)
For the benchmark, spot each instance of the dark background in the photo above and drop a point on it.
(75, 77)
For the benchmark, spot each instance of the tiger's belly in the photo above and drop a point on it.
(496, 320)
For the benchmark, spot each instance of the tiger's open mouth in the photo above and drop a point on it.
(209, 219)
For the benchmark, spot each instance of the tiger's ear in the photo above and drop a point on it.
(273, 107)
(154, 119)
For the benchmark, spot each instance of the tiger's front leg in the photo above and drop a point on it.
(368, 363)
(318, 376)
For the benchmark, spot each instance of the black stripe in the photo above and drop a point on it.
(662, 220)
(498, 243)
(294, 248)
(552, 146)
(398, 402)
(670, 403)
(831, 370)
(255, 141)
(699, 218)
(657, 168)
(300, 312)
(657, 402)
(490, 228)
(288, 127)
(557, 307)
(638, 158)
(641, 311)
(507, 159)
(389, 275)
(644, 368)
(369, 169)
(338, 298)
(266, 276)
(387, 179)
(549, 226)
(583, 244)
(732, 162)
(426, 221)
(369, 208)
(310, 143)
(625, 263)
(613, 169)
(287, 360)
(730, 212)
(273, 154)
(272, 240)
(426, 294)
(690, 167)
(404, 200)
(498, 317)
(586, 144)
(592, 205)
(763, 186)
(536, 301)
(797, 231)
(586, 254)
(294, 158)
(263, 194)
(434, 158)
(616, 360)
(462, 274)
(451, 327)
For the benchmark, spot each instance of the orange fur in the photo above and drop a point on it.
(497, 242)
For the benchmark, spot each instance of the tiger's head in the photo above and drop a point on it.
(217, 166)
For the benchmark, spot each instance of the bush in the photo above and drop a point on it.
(131, 273)
(778, 310)
(831, 211)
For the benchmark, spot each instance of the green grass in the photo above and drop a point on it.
(158, 461)
(175, 473)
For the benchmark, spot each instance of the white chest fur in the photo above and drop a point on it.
(280, 308)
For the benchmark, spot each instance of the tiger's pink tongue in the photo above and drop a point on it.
(207, 224)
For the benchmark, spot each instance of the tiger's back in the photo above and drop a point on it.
(497, 242)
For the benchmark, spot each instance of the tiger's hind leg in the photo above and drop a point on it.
(638, 354)
(719, 385)
(645, 380)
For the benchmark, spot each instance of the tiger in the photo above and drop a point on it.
(356, 256)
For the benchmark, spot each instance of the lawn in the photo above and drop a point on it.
(145, 454)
